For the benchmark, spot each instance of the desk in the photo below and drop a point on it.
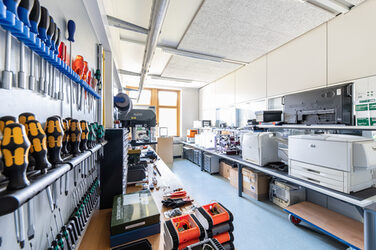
(97, 236)
(367, 206)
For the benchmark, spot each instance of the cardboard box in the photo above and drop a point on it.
(255, 184)
(224, 170)
(165, 149)
(234, 177)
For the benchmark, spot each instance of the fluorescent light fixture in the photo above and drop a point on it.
(191, 54)
(164, 78)
(333, 6)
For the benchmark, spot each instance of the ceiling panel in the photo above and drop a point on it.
(245, 29)
(198, 70)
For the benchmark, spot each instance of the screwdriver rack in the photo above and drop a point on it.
(11, 200)
(10, 22)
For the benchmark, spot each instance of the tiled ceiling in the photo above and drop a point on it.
(242, 30)
(206, 71)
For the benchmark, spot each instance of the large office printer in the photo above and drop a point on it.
(341, 162)
(259, 148)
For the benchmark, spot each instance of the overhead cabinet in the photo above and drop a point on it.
(351, 44)
(299, 64)
(250, 81)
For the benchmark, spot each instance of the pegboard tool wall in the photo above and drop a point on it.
(15, 101)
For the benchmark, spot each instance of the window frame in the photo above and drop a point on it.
(155, 102)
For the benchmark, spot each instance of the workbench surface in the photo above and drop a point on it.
(97, 236)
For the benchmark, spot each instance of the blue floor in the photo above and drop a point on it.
(258, 225)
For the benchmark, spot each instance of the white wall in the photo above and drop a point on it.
(189, 109)
(339, 51)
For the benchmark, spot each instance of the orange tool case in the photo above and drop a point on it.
(213, 214)
(182, 231)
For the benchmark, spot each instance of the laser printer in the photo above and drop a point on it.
(341, 162)
(259, 148)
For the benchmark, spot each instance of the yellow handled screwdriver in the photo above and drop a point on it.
(74, 137)
(5, 120)
(27, 116)
(15, 148)
(38, 149)
(54, 132)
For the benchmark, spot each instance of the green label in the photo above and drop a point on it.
(372, 106)
(363, 101)
(361, 107)
(373, 121)
(362, 122)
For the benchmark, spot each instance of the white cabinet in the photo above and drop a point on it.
(225, 91)
(206, 97)
(250, 81)
(351, 44)
(299, 64)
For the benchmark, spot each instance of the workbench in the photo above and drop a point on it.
(97, 236)
(365, 202)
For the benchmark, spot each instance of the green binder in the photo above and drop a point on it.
(133, 211)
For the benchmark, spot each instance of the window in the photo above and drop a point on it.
(145, 98)
(167, 103)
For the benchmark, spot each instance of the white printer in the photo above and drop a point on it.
(259, 148)
(341, 162)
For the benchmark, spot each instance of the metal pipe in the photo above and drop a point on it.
(179, 52)
(118, 23)
(157, 17)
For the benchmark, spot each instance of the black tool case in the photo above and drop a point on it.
(331, 105)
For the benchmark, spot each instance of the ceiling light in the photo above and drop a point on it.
(333, 6)
(191, 54)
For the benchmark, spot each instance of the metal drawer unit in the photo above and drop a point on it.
(211, 163)
(114, 168)
(188, 153)
(197, 157)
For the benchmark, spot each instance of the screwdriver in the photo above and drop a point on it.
(84, 135)
(54, 133)
(68, 238)
(44, 23)
(64, 149)
(38, 148)
(61, 240)
(54, 244)
(24, 117)
(50, 34)
(23, 11)
(74, 137)
(15, 148)
(71, 30)
(5, 120)
(34, 19)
